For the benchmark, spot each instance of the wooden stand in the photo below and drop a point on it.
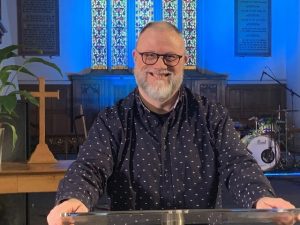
(42, 154)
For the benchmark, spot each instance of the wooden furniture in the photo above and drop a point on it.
(244, 101)
(100, 88)
(27, 178)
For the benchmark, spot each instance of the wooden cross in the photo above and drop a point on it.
(42, 154)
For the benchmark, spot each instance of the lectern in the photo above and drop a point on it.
(182, 217)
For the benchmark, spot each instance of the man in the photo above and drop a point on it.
(162, 147)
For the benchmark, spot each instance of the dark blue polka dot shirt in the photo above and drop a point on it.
(176, 161)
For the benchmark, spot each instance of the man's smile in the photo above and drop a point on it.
(159, 75)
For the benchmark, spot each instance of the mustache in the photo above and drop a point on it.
(160, 72)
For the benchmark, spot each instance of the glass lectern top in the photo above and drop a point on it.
(186, 216)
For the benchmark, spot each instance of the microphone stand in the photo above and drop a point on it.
(292, 93)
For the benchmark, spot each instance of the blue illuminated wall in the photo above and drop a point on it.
(218, 42)
(75, 37)
(215, 39)
(75, 34)
(293, 56)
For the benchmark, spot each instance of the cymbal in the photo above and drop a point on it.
(288, 110)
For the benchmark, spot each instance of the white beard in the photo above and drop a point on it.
(162, 90)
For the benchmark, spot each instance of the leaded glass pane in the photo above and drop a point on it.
(170, 11)
(144, 13)
(119, 34)
(99, 34)
(110, 29)
(189, 30)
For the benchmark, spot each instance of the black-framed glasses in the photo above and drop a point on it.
(150, 58)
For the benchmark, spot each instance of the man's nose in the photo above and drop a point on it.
(160, 62)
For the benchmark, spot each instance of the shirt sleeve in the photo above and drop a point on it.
(86, 178)
(238, 170)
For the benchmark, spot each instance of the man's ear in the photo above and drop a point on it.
(186, 57)
(134, 54)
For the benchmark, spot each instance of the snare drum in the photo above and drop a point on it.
(264, 150)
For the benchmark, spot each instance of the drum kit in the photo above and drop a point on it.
(268, 142)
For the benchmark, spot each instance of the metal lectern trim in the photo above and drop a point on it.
(181, 217)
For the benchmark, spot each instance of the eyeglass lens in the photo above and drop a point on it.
(150, 58)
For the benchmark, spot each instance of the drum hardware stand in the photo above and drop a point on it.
(277, 137)
(292, 110)
(256, 122)
(286, 138)
(279, 128)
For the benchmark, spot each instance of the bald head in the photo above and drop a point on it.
(161, 27)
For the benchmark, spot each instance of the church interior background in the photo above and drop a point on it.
(96, 39)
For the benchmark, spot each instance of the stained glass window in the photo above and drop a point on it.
(119, 34)
(189, 31)
(117, 23)
(99, 34)
(170, 11)
(144, 13)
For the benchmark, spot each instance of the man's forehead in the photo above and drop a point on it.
(159, 28)
(159, 32)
